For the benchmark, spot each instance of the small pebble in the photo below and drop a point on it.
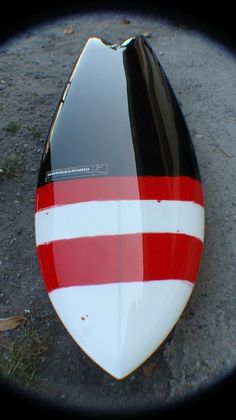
(147, 35)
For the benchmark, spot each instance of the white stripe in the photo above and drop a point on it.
(120, 325)
(119, 217)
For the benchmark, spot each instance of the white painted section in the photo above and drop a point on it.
(119, 217)
(120, 325)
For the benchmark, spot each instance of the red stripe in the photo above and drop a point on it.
(119, 188)
(121, 258)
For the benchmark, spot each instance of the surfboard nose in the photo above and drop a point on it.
(119, 325)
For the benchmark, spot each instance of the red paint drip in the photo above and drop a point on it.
(83, 318)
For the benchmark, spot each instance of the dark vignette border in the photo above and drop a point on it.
(215, 19)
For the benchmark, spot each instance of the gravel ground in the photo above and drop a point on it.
(33, 70)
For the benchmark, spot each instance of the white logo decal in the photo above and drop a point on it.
(78, 171)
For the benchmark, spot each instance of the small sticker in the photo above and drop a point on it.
(77, 172)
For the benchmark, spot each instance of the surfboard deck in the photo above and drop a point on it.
(119, 219)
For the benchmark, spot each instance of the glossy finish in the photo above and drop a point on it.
(119, 213)
(118, 110)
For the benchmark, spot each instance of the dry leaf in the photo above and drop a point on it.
(11, 322)
(125, 21)
(149, 369)
(70, 30)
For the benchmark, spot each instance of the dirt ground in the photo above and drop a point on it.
(40, 355)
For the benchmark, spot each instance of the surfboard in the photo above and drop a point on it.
(119, 220)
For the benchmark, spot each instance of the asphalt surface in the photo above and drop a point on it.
(202, 347)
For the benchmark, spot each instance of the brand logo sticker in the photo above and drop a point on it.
(77, 172)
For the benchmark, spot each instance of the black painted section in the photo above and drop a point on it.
(161, 139)
(118, 109)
